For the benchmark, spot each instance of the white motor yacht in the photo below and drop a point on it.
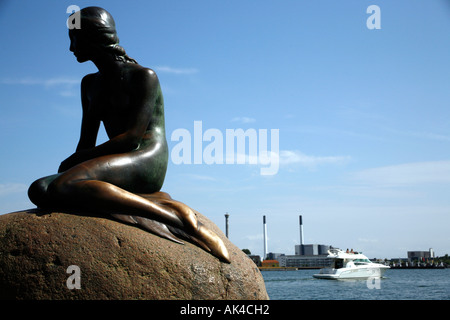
(350, 266)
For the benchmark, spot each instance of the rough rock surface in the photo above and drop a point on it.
(115, 260)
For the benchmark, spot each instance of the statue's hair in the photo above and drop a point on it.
(98, 26)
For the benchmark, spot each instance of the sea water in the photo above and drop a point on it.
(396, 284)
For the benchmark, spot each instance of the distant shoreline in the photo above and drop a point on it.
(418, 267)
(286, 268)
(315, 268)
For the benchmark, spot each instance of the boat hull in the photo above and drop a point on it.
(351, 273)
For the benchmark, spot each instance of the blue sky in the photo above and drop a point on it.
(363, 116)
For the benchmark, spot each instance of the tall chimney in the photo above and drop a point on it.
(265, 237)
(301, 231)
(226, 224)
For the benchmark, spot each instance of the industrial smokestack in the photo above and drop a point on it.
(226, 224)
(301, 231)
(265, 237)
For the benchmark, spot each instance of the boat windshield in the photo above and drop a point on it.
(361, 261)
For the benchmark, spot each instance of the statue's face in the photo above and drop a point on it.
(80, 47)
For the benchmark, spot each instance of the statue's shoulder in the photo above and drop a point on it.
(144, 72)
(90, 76)
(140, 75)
(88, 80)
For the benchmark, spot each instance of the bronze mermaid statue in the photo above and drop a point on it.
(123, 176)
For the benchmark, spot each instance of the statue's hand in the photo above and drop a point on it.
(64, 166)
(72, 161)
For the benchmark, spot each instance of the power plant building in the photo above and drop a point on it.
(306, 255)
(294, 261)
(311, 249)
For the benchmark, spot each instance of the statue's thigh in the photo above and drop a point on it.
(130, 171)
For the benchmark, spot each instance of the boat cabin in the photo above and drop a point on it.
(339, 263)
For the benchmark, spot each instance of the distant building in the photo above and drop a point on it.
(297, 261)
(274, 256)
(270, 264)
(420, 255)
(306, 256)
(312, 256)
(311, 249)
(256, 259)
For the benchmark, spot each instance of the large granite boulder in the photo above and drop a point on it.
(55, 255)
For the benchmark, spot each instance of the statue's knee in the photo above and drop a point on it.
(59, 188)
(37, 191)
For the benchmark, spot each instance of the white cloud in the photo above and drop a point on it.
(199, 177)
(68, 93)
(366, 240)
(430, 136)
(254, 237)
(65, 84)
(423, 135)
(167, 69)
(406, 174)
(9, 188)
(43, 82)
(436, 136)
(243, 119)
(288, 157)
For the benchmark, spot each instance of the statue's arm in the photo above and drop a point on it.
(89, 130)
(89, 125)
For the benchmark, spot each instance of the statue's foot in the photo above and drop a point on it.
(213, 242)
(193, 230)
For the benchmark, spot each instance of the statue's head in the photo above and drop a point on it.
(97, 33)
